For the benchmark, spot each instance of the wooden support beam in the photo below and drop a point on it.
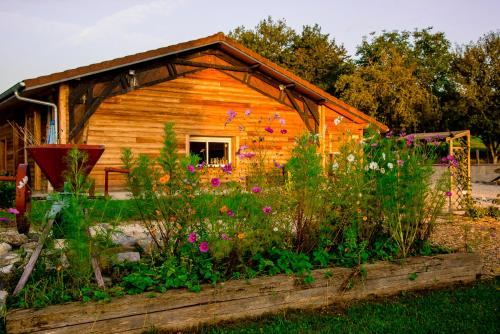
(172, 70)
(93, 105)
(303, 115)
(63, 110)
(214, 66)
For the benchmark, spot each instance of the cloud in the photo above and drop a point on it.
(125, 25)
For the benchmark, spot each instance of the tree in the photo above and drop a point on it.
(477, 75)
(272, 40)
(312, 55)
(401, 78)
(388, 90)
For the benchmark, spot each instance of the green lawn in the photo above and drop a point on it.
(472, 309)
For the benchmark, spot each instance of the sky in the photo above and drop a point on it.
(43, 37)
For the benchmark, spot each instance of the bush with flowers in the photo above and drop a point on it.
(374, 200)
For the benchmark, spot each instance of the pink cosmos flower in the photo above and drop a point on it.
(4, 219)
(191, 169)
(267, 210)
(400, 163)
(269, 129)
(256, 190)
(248, 112)
(192, 237)
(228, 169)
(204, 247)
(230, 213)
(224, 236)
(278, 165)
(282, 121)
(215, 182)
(13, 211)
(283, 131)
(449, 193)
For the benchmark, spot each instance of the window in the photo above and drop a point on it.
(213, 151)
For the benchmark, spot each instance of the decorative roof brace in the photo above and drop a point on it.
(49, 104)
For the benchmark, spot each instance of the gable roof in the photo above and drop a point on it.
(224, 43)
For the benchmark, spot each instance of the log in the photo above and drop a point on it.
(180, 309)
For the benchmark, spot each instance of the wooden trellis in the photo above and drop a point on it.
(460, 183)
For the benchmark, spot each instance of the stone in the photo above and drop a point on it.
(147, 244)
(3, 302)
(9, 258)
(4, 248)
(99, 228)
(136, 231)
(128, 256)
(13, 238)
(123, 239)
(59, 243)
(29, 247)
(7, 269)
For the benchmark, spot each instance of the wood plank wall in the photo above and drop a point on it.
(198, 106)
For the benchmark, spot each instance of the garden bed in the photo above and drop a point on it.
(180, 309)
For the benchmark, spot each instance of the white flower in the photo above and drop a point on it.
(383, 155)
(373, 165)
(350, 157)
(275, 229)
(382, 170)
(337, 120)
(360, 195)
(22, 183)
(390, 165)
(464, 192)
(335, 166)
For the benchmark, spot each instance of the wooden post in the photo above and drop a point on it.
(450, 209)
(469, 185)
(51, 216)
(322, 134)
(63, 110)
(37, 133)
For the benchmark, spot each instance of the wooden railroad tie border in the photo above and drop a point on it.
(180, 309)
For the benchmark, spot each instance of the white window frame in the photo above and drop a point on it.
(206, 140)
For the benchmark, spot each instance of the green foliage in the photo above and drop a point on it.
(306, 180)
(310, 54)
(7, 194)
(476, 71)
(402, 79)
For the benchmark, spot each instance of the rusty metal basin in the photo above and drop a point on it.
(52, 159)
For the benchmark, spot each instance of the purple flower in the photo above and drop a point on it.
(449, 193)
(230, 213)
(282, 121)
(215, 182)
(4, 219)
(241, 127)
(224, 236)
(228, 169)
(247, 155)
(231, 114)
(269, 129)
(243, 147)
(204, 247)
(283, 131)
(374, 145)
(248, 112)
(200, 166)
(267, 210)
(191, 169)
(256, 190)
(13, 211)
(192, 237)
(388, 134)
(278, 165)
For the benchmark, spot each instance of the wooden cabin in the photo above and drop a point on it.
(198, 85)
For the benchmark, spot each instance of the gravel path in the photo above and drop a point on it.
(464, 234)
